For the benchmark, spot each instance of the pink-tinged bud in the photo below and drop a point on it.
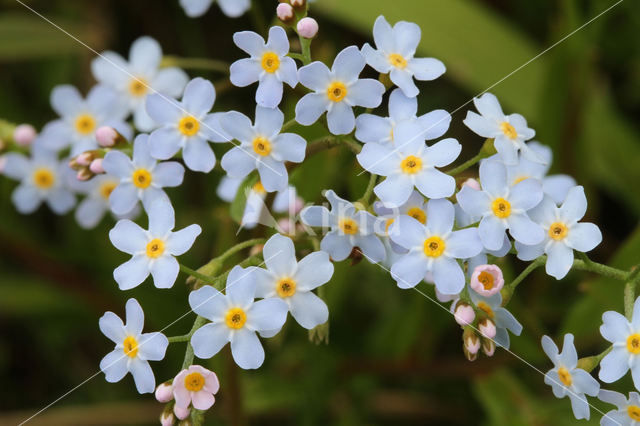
(106, 136)
(464, 314)
(307, 27)
(488, 347)
(256, 249)
(24, 134)
(166, 419)
(164, 392)
(472, 183)
(285, 13)
(471, 342)
(487, 280)
(487, 328)
(298, 4)
(297, 205)
(84, 174)
(84, 159)
(181, 413)
(96, 166)
(286, 226)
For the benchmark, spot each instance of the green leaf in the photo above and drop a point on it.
(239, 202)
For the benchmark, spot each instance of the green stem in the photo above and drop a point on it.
(508, 290)
(196, 64)
(591, 362)
(179, 339)
(369, 191)
(305, 46)
(288, 125)
(196, 274)
(188, 356)
(599, 268)
(239, 247)
(297, 56)
(464, 166)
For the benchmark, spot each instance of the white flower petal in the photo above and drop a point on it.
(164, 270)
(526, 195)
(246, 349)
(584, 236)
(199, 96)
(313, 270)
(383, 34)
(163, 110)
(407, 232)
(165, 142)
(135, 317)
(238, 163)
(473, 202)
(310, 107)
(208, 302)
(464, 244)
(238, 126)
(348, 64)
(337, 246)
(145, 54)
(290, 147)
(123, 198)
(117, 164)
(524, 230)
(269, 93)
(315, 76)
(180, 242)
(152, 346)
(244, 72)
(371, 128)
(488, 106)
(448, 276)
(288, 71)
(426, 68)
(128, 237)
(434, 123)
(316, 216)
(132, 273)
(407, 36)
(268, 121)
(341, 119)
(209, 339)
(376, 59)
(550, 348)
(435, 184)
(481, 125)
(273, 174)
(615, 327)
(250, 42)
(234, 8)
(404, 80)
(142, 375)
(170, 81)
(371, 247)
(493, 177)
(60, 200)
(114, 366)
(575, 205)
(267, 314)
(198, 155)
(111, 326)
(614, 365)
(168, 174)
(366, 92)
(241, 287)
(491, 232)
(278, 40)
(378, 159)
(66, 100)
(409, 269)
(280, 255)
(161, 218)
(308, 309)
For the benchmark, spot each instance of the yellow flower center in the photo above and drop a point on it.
(141, 178)
(261, 146)
(155, 248)
(634, 412)
(418, 214)
(130, 346)
(270, 62)
(486, 308)
(501, 208)
(235, 318)
(194, 382)
(388, 224)
(286, 287)
(43, 178)
(259, 188)
(337, 91)
(633, 343)
(411, 164)
(188, 125)
(508, 130)
(397, 60)
(558, 231)
(565, 376)
(107, 188)
(519, 179)
(486, 279)
(391, 136)
(434, 246)
(138, 87)
(85, 124)
(348, 226)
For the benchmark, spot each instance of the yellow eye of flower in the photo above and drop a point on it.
(194, 382)
(261, 146)
(411, 164)
(486, 308)
(418, 214)
(188, 125)
(519, 179)
(565, 376)
(501, 208)
(141, 178)
(397, 60)
(634, 412)
(235, 318)
(259, 188)
(348, 226)
(85, 124)
(337, 91)
(388, 224)
(130, 346)
(155, 248)
(434, 246)
(106, 189)
(633, 343)
(508, 130)
(486, 279)
(43, 178)
(558, 231)
(138, 87)
(286, 287)
(270, 62)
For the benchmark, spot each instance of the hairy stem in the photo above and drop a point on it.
(188, 355)
(369, 191)
(196, 274)
(464, 166)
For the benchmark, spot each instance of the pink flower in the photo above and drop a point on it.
(96, 166)
(164, 392)
(181, 413)
(472, 183)
(285, 12)
(307, 27)
(196, 385)
(487, 280)
(24, 134)
(464, 314)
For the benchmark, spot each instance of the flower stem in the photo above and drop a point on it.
(286, 126)
(239, 247)
(196, 64)
(305, 46)
(196, 274)
(464, 166)
(369, 191)
(599, 268)
(630, 294)
(188, 355)
(591, 362)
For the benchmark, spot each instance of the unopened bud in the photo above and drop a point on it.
(106, 136)
(85, 158)
(488, 347)
(166, 418)
(298, 4)
(164, 392)
(487, 328)
(320, 334)
(96, 166)
(181, 413)
(286, 226)
(307, 27)
(472, 183)
(285, 13)
(84, 174)
(470, 356)
(464, 314)
(24, 134)
(471, 340)
(256, 249)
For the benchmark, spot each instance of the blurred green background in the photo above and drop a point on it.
(394, 358)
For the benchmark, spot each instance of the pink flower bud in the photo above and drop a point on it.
(84, 159)
(166, 419)
(180, 412)
(464, 314)
(488, 347)
(472, 344)
(297, 205)
(285, 12)
(472, 183)
(24, 134)
(487, 328)
(298, 4)
(307, 27)
(164, 392)
(106, 136)
(285, 226)
(96, 166)
(84, 174)
(487, 280)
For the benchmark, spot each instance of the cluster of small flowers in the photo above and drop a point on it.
(423, 229)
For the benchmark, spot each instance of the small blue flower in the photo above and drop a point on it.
(628, 410)
(231, 8)
(503, 319)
